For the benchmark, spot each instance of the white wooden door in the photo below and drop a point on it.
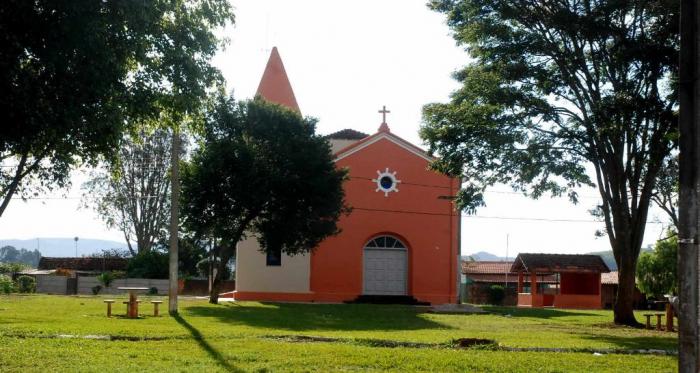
(385, 271)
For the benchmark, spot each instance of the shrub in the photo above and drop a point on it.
(118, 274)
(153, 291)
(96, 289)
(105, 279)
(6, 285)
(26, 284)
(496, 294)
(10, 268)
(151, 264)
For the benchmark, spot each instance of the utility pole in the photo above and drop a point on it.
(174, 218)
(688, 258)
(507, 269)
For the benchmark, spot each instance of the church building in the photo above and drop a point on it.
(401, 238)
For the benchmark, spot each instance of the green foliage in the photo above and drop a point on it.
(117, 192)
(261, 170)
(148, 264)
(6, 284)
(119, 274)
(657, 271)
(9, 254)
(190, 252)
(26, 284)
(556, 89)
(105, 278)
(96, 289)
(11, 268)
(496, 294)
(84, 70)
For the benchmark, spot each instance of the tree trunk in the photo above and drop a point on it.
(624, 302)
(226, 255)
(12, 188)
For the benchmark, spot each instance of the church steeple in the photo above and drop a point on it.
(274, 85)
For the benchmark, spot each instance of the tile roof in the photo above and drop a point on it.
(83, 264)
(559, 263)
(347, 134)
(485, 267)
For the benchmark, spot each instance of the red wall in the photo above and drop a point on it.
(426, 224)
(580, 283)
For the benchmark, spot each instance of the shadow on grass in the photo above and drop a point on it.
(306, 317)
(209, 349)
(539, 313)
(661, 342)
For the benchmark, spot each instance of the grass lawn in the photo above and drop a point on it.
(47, 333)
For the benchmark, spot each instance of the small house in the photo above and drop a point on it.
(578, 280)
(479, 276)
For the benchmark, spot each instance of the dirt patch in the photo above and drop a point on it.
(474, 342)
(358, 341)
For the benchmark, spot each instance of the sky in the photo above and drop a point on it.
(346, 60)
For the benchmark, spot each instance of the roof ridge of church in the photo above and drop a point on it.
(274, 85)
(347, 134)
(358, 145)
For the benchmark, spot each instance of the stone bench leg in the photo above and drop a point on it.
(648, 321)
(658, 321)
(155, 309)
(109, 309)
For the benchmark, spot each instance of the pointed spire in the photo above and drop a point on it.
(274, 85)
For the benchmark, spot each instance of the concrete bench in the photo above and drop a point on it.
(658, 320)
(156, 303)
(127, 306)
(109, 306)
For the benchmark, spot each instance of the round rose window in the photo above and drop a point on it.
(386, 182)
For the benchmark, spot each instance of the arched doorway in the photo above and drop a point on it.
(385, 267)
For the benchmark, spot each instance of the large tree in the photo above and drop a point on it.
(132, 193)
(74, 74)
(657, 271)
(666, 192)
(556, 88)
(262, 172)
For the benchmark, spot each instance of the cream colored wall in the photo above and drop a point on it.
(337, 144)
(253, 275)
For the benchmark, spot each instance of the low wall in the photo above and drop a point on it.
(586, 301)
(50, 284)
(575, 301)
(201, 287)
(478, 293)
(86, 283)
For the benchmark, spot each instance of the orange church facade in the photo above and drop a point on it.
(401, 238)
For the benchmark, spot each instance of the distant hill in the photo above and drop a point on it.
(483, 256)
(609, 259)
(64, 247)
